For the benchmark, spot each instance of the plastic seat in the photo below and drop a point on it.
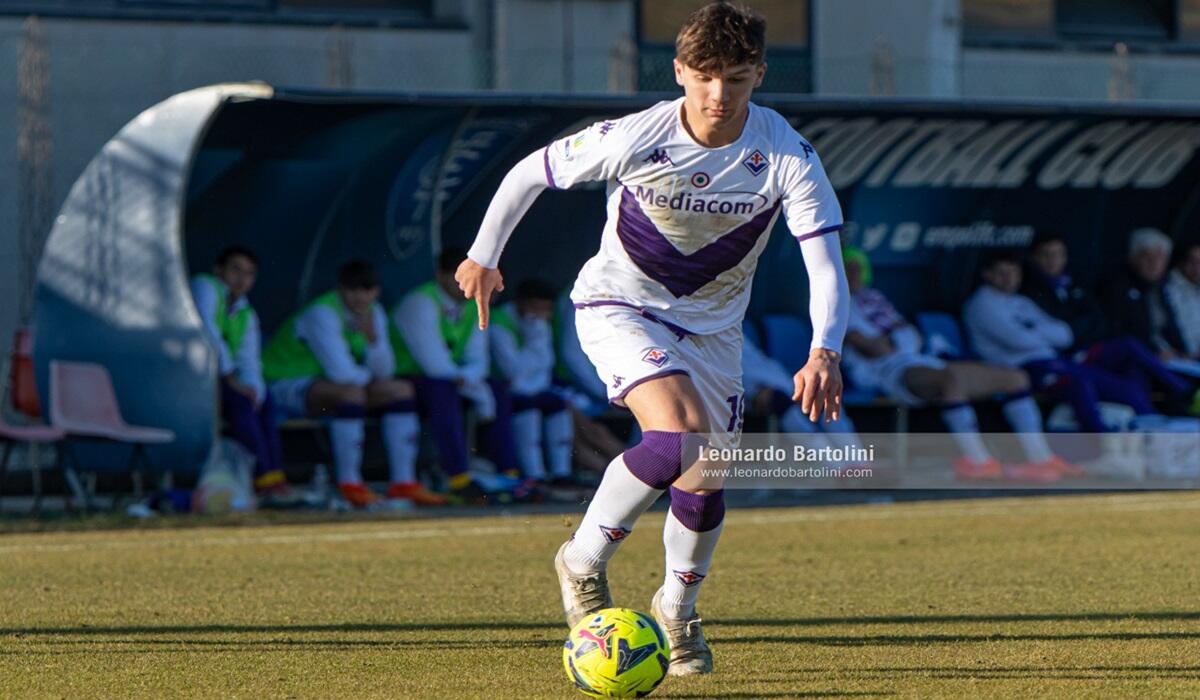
(943, 335)
(82, 402)
(787, 339)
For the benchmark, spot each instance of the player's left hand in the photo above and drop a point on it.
(479, 283)
(819, 386)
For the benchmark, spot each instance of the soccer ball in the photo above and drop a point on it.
(616, 653)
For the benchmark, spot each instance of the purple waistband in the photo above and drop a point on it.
(674, 328)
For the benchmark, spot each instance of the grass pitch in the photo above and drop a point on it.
(1078, 596)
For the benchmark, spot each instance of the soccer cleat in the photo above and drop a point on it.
(1040, 472)
(689, 650)
(281, 496)
(471, 494)
(358, 495)
(967, 470)
(416, 494)
(582, 594)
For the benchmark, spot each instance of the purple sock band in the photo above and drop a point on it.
(349, 410)
(698, 512)
(1009, 398)
(401, 406)
(655, 461)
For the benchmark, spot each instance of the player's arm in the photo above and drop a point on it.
(592, 154)
(814, 218)
(321, 330)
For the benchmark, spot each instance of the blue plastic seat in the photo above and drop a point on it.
(786, 339)
(943, 335)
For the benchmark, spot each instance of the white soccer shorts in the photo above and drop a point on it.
(291, 396)
(628, 349)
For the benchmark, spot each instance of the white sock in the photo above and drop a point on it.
(400, 440)
(346, 434)
(689, 554)
(559, 431)
(619, 500)
(1023, 415)
(527, 434)
(964, 425)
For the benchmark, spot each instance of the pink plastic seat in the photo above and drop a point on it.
(82, 402)
(29, 433)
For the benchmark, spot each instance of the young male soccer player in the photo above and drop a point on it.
(694, 185)
(332, 359)
(232, 325)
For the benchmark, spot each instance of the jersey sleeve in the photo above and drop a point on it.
(594, 154)
(809, 202)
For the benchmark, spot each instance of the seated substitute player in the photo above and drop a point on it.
(883, 352)
(332, 359)
(1183, 295)
(522, 347)
(440, 349)
(232, 325)
(694, 185)
(1008, 329)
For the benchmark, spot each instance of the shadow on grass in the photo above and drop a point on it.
(558, 625)
(917, 639)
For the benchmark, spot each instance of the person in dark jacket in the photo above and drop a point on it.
(1049, 285)
(1133, 295)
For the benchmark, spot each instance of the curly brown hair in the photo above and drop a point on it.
(720, 35)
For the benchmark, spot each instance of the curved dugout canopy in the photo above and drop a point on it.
(309, 180)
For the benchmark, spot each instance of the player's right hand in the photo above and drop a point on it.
(479, 283)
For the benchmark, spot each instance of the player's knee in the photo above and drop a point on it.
(1018, 382)
(656, 460)
(698, 512)
(349, 394)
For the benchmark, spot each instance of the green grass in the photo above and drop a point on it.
(1080, 596)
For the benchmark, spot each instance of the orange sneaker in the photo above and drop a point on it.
(418, 494)
(1063, 467)
(1041, 472)
(968, 470)
(358, 495)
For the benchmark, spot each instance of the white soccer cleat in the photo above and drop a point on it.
(582, 594)
(689, 651)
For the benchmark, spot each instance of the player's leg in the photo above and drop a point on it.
(1012, 387)
(394, 401)
(697, 515)
(558, 433)
(344, 405)
(940, 386)
(245, 427)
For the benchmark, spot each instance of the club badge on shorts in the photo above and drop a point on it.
(656, 357)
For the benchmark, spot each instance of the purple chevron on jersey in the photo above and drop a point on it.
(662, 262)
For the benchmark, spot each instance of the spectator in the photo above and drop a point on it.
(1008, 329)
(332, 359)
(1051, 288)
(522, 346)
(1134, 295)
(1183, 296)
(440, 349)
(1095, 337)
(233, 328)
(883, 352)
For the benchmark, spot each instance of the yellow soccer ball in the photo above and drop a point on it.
(616, 653)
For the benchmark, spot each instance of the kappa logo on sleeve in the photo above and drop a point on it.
(656, 357)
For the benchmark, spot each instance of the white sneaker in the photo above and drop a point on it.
(689, 651)
(583, 594)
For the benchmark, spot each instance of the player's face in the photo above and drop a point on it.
(1050, 258)
(719, 96)
(359, 301)
(238, 273)
(1004, 276)
(1191, 265)
(1150, 263)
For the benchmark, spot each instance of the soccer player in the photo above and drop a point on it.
(443, 353)
(522, 346)
(233, 328)
(694, 186)
(883, 351)
(332, 359)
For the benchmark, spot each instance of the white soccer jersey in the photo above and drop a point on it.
(687, 223)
